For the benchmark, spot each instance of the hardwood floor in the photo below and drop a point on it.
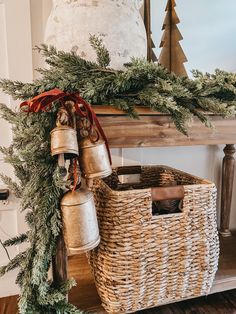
(224, 303)
(221, 303)
(8, 305)
(85, 296)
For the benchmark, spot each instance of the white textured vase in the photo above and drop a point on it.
(118, 22)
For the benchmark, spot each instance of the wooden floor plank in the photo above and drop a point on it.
(225, 279)
(224, 303)
(85, 295)
(8, 305)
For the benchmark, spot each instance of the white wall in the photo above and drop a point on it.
(15, 63)
(22, 25)
(208, 28)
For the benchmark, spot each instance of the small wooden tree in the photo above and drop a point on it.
(172, 55)
(147, 21)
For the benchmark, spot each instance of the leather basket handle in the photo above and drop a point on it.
(158, 193)
(168, 193)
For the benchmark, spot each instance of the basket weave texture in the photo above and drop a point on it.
(143, 260)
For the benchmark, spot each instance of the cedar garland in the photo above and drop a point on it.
(140, 83)
(39, 182)
(39, 188)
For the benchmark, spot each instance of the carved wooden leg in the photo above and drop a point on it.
(227, 188)
(147, 22)
(59, 263)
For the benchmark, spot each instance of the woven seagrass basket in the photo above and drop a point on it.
(144, 260)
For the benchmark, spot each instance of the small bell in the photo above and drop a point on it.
(94, 159)
(80, 226)
(64, 141)
(64, 137)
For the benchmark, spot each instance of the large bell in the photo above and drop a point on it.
(94, 159)
(64, 141)
(80, 226)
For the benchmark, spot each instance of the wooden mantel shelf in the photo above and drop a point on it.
(157, 130)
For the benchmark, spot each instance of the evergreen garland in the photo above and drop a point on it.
(38, 186)
(140, 83)
(39, 178)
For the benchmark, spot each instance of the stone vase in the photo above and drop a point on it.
(117, 22)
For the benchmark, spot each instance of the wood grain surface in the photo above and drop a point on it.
(228, 170)
(85, 296)
(8, 305)
(160, 131)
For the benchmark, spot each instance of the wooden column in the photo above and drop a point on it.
(147, 21)
(227, 188)
(59, 263)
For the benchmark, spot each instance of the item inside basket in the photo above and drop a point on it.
(163, 179)
(166, 207)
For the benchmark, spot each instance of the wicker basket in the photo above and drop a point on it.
(143, 260)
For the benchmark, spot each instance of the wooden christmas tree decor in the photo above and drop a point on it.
(172, 55)
(147, 21)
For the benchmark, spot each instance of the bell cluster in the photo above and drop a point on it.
(90, 156)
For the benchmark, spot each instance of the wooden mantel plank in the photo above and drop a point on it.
(141, 110)
(159, 131)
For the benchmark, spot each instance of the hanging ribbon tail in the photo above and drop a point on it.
(88, 112)
(76, 178)
(92, 119)
(43, 102)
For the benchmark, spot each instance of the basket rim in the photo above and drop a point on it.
(204, 182)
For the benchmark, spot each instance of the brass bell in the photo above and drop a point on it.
(64, 141)
(80, 226)
(94, 159)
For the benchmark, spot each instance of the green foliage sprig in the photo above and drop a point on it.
(139, 83)
(40, 196)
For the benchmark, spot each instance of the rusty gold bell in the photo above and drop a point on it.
(80, 226)
(64, 141)
(94, 159)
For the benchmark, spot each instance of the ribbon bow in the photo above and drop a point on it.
(44, 102)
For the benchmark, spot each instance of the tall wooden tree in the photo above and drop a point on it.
(172, 55)
(147, 21)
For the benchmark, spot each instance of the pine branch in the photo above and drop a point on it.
(13, 186)
(215, 106)
(16, 240)
(5, 249)
(5, 112)
(14, 263)
(103, 58)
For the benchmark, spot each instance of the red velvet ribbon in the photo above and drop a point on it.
(44, 102)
